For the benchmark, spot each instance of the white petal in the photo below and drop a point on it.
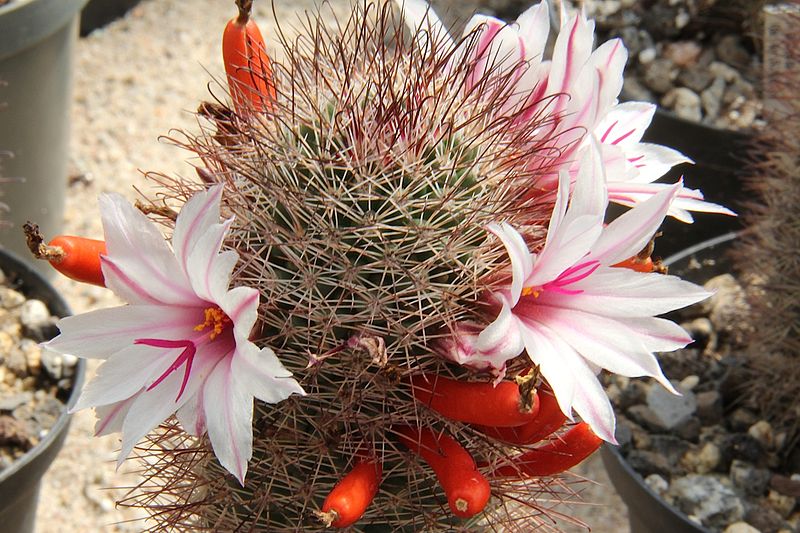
(609, 61)
(261, 373)
(589, 196)
(616, 166)
(572, 49)
(229, 417)
(110, 417)
(422, 20)
(101, 333)
(518, 253)
(241, 306)
(625, 124)
(500, 340)
(698, 206)
(571, 237)
(534, 28)
(629, 233)
(580, 114)
(574, 383)
(593, 405)
(151, 408)
(141, 267)
(620, 292)
(197, 216)
(497, 50)
(192, 415)
(548, 353)
(653, 160)
(659, 334)
(122, 375)
(561, 205)
(631, 194)
(605, 342)
(209, 271)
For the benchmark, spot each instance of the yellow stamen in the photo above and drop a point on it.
(528, 291)
(216, 319)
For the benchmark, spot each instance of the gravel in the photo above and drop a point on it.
(136, 80)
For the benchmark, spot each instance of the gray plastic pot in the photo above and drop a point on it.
(20, 483)
(37, 41)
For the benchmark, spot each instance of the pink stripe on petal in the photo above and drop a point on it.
(608, 131)
(622, 138)
(105, 421)
(128, 285)
(242, 306)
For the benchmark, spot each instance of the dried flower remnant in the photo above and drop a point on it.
(181, 345)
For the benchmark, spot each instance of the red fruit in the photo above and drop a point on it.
(247, 65)
(351, 496)
(547, 421)
(559, 455)
(466, 489)
(474, 403)
(637, 263)
(81, 258)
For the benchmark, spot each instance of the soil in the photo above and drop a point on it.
(707, 452)
(34, 382)
(698, 59)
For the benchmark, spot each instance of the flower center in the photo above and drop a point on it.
(568, 277)
(215, 319)
(531, 291)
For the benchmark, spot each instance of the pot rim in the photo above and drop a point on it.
(691, 250)
(57, 305)
(611, 453)
(24, 23)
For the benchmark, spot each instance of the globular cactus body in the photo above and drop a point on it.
(361, 200)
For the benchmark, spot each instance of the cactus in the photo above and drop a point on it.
(360, 204)
(768, 255)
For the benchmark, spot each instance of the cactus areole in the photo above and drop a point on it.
(398, 243)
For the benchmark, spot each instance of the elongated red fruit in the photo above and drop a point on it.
(351, 496)
(474, 403)
(555, 457)
(547, 421)
(247, 63)
(637, 263)
(81, 258)
(466, 489)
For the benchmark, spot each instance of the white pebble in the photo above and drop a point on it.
(647, 55)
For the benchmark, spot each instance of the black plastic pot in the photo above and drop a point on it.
(98, 13)
(718, 156)
(647, 511)
(20, 483)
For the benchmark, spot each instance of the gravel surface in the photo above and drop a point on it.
(135, 80)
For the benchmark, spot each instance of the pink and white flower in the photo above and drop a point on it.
(576, 91)
(572, 311)
(182, 344)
